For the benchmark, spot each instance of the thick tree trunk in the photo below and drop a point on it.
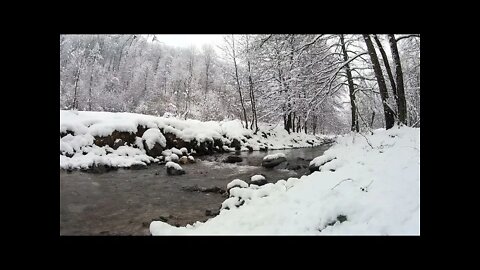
(402, 105)
(351, 88)
(389, 114)
(387, 67)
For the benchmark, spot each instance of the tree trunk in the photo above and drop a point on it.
(289, 122)
(402, 105)
(389, 118)
(373, 118)
(387, 68)
(351, 88)
(77, 76)
(252, 94)
(238, 83)
(293, 121)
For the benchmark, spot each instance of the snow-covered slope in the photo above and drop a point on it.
(85, 141)
(373, 190)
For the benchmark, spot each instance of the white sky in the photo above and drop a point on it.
(187, 40)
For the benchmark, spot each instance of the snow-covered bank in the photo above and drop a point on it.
(372, 187)
(126, 139)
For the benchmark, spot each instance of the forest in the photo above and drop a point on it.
(315, 84)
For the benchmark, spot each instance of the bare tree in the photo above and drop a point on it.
(402, 105)
(389, 114)
(351, 88)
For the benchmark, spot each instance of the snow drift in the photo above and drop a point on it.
(373, 190)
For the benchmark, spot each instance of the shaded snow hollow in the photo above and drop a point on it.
(375, 190)
(78, 150)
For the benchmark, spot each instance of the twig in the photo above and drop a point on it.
(341, 182)
(366, 139)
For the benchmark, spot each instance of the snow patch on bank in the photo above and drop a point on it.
(375, 191)
(79, 151)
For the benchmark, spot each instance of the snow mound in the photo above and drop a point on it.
(152, 136)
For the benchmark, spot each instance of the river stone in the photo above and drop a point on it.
(273, 162)
(171, 170)
(212, 213)
(183, 160)
(258, 182)
(233, 159)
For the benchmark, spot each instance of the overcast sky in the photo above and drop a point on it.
(187, 40)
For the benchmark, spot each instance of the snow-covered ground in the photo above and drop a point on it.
(80, 129)
(372, 187)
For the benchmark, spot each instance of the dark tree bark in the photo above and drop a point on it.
(355, 126)
(387, 68)
(389, 114)
(238, 83)
(252, 93)
(402, 104)
(77, 76)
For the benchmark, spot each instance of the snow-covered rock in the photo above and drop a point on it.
(236, 183)
(174, 157)
(174, 169)
(154, 142)
(258, 180)
(183, 160)
(176, 151)
(273, 160)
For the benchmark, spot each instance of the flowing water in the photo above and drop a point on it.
(124, 201)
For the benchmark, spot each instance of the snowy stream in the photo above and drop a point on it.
(124, 201)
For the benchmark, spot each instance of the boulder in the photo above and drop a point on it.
(155, 151)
